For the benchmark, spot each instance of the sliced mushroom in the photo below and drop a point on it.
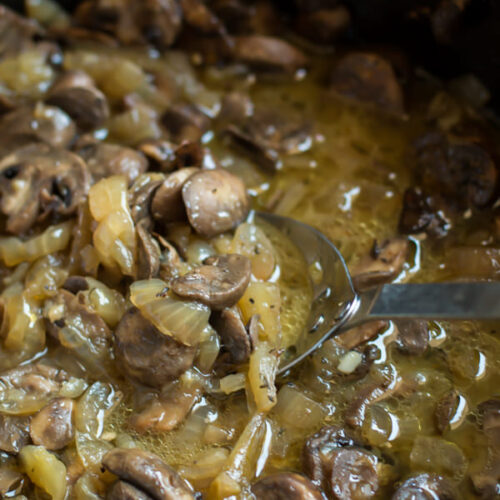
(185, 122)
(486, 480)
(216, 201)
(267, 53)
(148, 253)
(171, 262)
(39, 123)
(285, 486)
(76, 35)
(353, 474)
(356, 411)
(75, 92)
(360, 334)
(16, 32)
(384, 263)
(200, 17)
(159, 153)
(324, 26)
(75, 284)
(105, 159)
(420, 213)
(26, 389)
(146, 355)
(38, 181)
(133, 21)
(169, 410)
(146, 471)
(318, 449)
(235, 337)
(11, 481)
(191, 154)
(78, 328)
(413, 336)
(14, 433)
(461, 172)
(219, 283)
(265, 157)
(368, 78)
(52, 427)
(159, 21)
(140, 197)
(265, 135)
(167, 204)
(426, 487)
(451, 411)
(121, 490)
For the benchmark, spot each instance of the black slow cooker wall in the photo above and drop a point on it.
(474, 45)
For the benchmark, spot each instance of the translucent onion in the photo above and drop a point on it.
(134, 125)
(262, 374)
(294, 409)
(121, 77)
(98, 402)
(55, 238)
(73, 388)
(107, 196)
(197, 421)
(89, 487)
(222, 243)
(434, 454)
(20, 396)
(242, 460)
(217, 435)
(232, 383)
(90, 450)
(250, 241)
(208, 350)
(198, 251)
(28, 72)
(114, 238)
(115, 76)
(205, 467)
(83, 332)
(21, 319)
(184, 321)
(44, 470)
(263, 299)
(109, 304)
(379, 425)
(45, 277)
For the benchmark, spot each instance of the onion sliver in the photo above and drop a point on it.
(53, 239)
(182, 320)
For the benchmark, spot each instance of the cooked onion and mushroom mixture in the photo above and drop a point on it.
(145, 308)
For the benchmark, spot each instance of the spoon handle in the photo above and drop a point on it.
(430, 301)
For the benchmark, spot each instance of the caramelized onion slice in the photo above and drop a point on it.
(55, 238)
(185, 321)
(44, 470)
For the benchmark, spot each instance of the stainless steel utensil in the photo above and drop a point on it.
(337, 306)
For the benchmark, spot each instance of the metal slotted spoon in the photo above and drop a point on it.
(337, 307)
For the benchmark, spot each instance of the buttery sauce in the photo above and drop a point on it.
(348, 181)
(350, 185)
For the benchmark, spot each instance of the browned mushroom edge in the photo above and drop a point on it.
(219, 283)
(54, 182)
